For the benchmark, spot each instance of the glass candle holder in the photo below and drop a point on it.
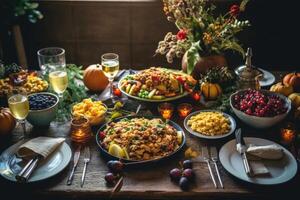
(196, 95)
(288, 134)
(166, 110)
(184, 109)
(80, 130)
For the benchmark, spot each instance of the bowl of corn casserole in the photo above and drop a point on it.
(209, 124)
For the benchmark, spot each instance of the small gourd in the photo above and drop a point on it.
(281, 88)
(211, 91)
(295, 99)
(7, 121)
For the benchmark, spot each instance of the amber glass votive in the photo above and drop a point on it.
(196, 95)
(287, 133)
(80, 130)
(166, 110)
(184, 109)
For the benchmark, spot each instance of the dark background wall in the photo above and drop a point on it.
(87, 29)
(275, 33)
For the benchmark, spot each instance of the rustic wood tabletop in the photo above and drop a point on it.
(141, 182)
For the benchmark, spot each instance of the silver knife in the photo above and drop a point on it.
(29, 168)
(241, 148)
(87, 157)
(75, 163)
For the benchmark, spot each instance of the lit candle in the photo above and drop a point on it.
(196, 95)
(184, 109)
(80, 129)
(166, 110)
(287, 135)
(79, 133)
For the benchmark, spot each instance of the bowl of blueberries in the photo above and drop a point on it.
(42, 108)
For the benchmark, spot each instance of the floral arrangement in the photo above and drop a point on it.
(201, 31)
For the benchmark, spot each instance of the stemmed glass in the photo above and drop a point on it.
(52, 60)
(19, 106)
(58, 79)
(50, 57)
(110, 67)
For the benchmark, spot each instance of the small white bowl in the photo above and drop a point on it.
(261, 122)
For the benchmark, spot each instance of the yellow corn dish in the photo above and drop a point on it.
(209, 123)
(35, 84)
(93, 110)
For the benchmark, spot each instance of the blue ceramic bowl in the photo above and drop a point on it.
(45, 116)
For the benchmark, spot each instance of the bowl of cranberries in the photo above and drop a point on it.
(260, 108)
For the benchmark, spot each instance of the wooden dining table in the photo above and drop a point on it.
(144, 181)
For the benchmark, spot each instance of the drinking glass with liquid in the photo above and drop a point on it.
(58, 79)
(110, 67)
(19, 106)
(52, 61)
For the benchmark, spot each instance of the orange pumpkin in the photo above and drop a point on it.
(292, 79)
(94, 78)
(7, 121)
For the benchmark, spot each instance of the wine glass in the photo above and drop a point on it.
(58, 79)
(50, 57)
(19, 106)
(110, 67)
(52, 60)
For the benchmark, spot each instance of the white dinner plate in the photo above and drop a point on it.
(199, 135)
(10, 165)
(267, 79)
(281, 170)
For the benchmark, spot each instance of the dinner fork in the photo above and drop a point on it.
(87, 157)
(214, 158)
(206, 159)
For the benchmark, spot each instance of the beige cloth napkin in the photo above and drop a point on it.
(42, 146)
(257, 153)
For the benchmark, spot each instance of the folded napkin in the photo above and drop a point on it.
(271, 152)
(40, 146)
(257, 153)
